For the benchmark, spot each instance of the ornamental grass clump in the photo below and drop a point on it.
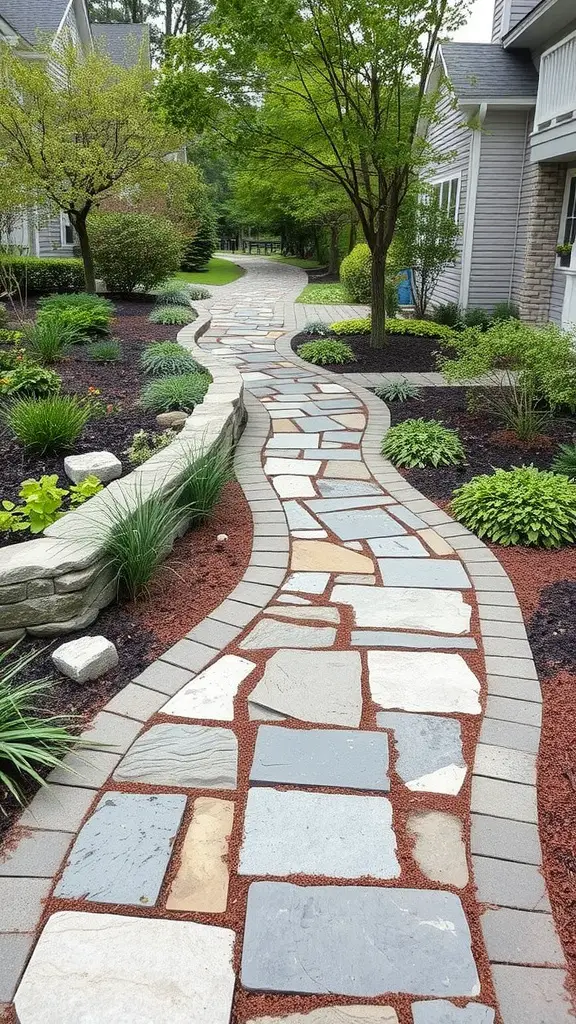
(523, 505)
(137, 539)
(176, 315)
(47, 425)
(47, 341)
(419, 443)
(204, 482)
(105, 351)
(182, 392)
(397, 391)
(565, 461)
(165, 358)
(326, 352)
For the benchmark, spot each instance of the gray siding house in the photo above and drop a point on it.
(505, 145)
(29, 25)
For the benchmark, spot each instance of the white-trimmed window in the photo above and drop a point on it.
(568, 222)
(67, 236)
(447, 193)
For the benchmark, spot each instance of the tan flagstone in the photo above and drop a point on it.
(347, 470)
(437, 543)
(317, 612)
(349, 419)
(285, 427)
(201, 883)
(439, 847)
(322, 555)
(336, 1015)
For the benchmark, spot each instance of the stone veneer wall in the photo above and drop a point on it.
(545, 194)
(60, 581)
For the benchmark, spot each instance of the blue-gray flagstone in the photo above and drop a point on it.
(346, 488)
(398, 547)
(357, 525)
(199, 756)
(345, 502)
(441, 1012)
(321, 757)
(356, 941)
(429, 748)
(298, 518)
(315, 423)
(343, 454)
(121, 853)
(430, 572)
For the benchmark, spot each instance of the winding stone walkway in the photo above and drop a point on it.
(283, 831)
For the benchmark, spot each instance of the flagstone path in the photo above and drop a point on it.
(283, 830)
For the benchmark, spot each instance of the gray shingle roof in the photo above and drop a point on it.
(485, 71)
(28, 19)
(122, 43)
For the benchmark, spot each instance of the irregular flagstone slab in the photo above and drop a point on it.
(195, 756)
(313, 612)
(321, 757)
(347, 470)
(211, 694)
(323, 555)
(336, 1015)
(441, 1012)
(107, 969)
(346, 437)
(439, 848)
(343, 454)
(297, 467)
(313, 686)
(307, 582)
(285, 427)
(308, 441)
(423, 681)
(438, 611)
(257, 713)
(346, 502)
(356, 941)
(293, 486)
(292, 599)
(333, 389)
(347, 488)
(267, 633)
(398, 547)
(298, 518)
(380, 638)
(294, 832)
(316, 423)
(310, 534)
(120, 855)
(351, 419)
(201, 882)
(430, 757)
(434, 572)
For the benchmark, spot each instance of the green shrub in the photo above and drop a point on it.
(164, 358)
(138, 538)
(30, 380)
(355, 273)
(145, 444)
(397, 391)
(360, 325)
(316, 328)
(474, 316)
(11, 358)
(177, 315)
(77, 321)
(326, 352)
(46, 274)
(541, 358)
(200, 249)
(105, 351)
(77, 300)
(29, 745)
(523, 505)
(420, 443)
(134, 250)
(178, 293)
(42, 503)
(204, 481)
(166, 394)
(505, 311)
(51, 424)
(419, 328)
(449, 314)
(11, 337)
(565, 461)
(47, 341)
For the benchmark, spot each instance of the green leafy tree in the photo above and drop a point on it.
(336, 85)
(80, 139)
(175, 16)
(427, 243)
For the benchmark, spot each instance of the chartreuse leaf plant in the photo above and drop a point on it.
(42, 503)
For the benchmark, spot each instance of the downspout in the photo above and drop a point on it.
(517, 225)
(470, 213)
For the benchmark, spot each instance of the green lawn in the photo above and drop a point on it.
(334, 294)
(218, 271)
(294, 261)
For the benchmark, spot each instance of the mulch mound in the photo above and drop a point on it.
(402, 353)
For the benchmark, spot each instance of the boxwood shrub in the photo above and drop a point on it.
(395, 325)
(46, 274)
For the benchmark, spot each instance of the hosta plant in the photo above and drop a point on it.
(418, 443)
(565, 461)
(178, 293)
(77, 300)
(397, 391)
(163, 358)
(177, 315)
(326, 352)
(77, 321)
(523, 505)
(167, 394)
(30, 380)
(42, 503)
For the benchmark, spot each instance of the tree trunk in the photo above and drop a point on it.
(79, 223)
(334, 260)
(353, 233)
(378, 334)
(168, 18)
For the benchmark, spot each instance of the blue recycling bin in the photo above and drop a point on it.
(404, 289)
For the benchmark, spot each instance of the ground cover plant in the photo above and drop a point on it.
(42, 502)
(420, 442)
(326, 352)
(105, 351)
(328, 294)
(176, 315)
(147, 443)
(175, 293)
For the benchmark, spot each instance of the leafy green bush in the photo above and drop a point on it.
(177, 315)
(541, 359)
(105, 351)
(204, 481)
(317, 328)
(326, 352)
(134, 250)
(11, 337)
(355, 273)
(51, 424)
(449, 314)
(523, 505)
(200, 249)
(77, 321)
(505, 311)
(420, 443)
(46, 274)
(397, 391)
(11, 358)
(166, 394)
(419, 328)
(145, 444)
(77, 300)
(565, 461)
(28, 744)
(164, 358)
(42, 503)
(474, 316)
(30, 380)
(360, 325)
(178, 293)
(138, 538)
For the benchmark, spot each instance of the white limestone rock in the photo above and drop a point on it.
(86, 658)
(104, 465)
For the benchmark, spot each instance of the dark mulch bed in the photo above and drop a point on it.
(487, 445)
(402, 353)
(119, 385)
(551, 631)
